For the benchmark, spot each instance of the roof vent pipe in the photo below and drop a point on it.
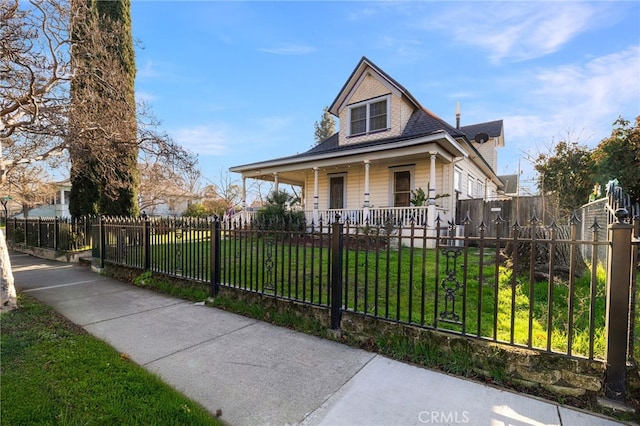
(458, 115)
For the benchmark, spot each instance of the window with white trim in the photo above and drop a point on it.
(470, 182)
(457, 177)
(369, 116)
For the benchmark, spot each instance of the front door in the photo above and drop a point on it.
(402, 189)
(336, 192)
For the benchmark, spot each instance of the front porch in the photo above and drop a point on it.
(372, 216)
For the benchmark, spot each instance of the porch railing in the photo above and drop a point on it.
(373, 216)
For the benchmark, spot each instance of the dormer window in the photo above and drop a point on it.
(369, 116)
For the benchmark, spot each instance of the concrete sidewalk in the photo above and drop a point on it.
(260, 374)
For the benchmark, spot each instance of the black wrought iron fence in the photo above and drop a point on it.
(60, 234)
(177, 247)
(285, 259)
(527, 286)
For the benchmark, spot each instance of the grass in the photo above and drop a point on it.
(55, 373)
(406, 284)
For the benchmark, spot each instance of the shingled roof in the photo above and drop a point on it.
(491, 128)
(421, 123)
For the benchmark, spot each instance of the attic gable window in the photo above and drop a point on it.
(369, 116)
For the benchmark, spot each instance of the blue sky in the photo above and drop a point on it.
(239, 82)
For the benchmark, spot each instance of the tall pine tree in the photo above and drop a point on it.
(325, 128)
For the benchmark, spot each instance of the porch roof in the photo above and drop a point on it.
(422, 128)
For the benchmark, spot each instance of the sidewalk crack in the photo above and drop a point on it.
(202, 342)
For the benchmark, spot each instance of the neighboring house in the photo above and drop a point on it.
(387, 146)
(511, 184)
(169, 203)
(58, 205)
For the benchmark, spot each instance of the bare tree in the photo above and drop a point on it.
(160, 184)
(222, 195)
(31, 187)
(35, 70)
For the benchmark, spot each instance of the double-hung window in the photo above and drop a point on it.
(369, 116)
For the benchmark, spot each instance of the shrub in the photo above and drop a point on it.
(275, 215)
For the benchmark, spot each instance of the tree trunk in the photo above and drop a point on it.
(9, 300)
(562, 258)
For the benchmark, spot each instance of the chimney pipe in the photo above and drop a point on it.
(458, 115)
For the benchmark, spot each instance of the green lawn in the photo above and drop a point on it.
(408, 285)
(53, 372)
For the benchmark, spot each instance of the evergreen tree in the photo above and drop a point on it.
(125, 203)
(103, 130)
(326, 127)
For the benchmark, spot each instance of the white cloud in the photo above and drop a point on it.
(599, 88)
(516, 31)
(576, 102)
(291, 49)
(203, 139)
(403, 47)
(224, 139)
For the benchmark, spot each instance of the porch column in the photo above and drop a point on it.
(60, 209)
(366, 190)
(316, 196)
(275, 181)
(431, 203)
(244, 198)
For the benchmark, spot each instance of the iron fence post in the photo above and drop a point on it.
(215, 257)
(103, 243)
(146, 237)
(56, 231)
(336, 274)
(619, 273)
(39, 231)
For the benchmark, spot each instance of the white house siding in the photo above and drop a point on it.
(469, 169)
(489, 151)
(380, 183)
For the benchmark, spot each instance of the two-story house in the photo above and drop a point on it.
(387, 146)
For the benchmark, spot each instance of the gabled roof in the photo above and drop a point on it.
(355, 77)
(491, 128)
(423, 127)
